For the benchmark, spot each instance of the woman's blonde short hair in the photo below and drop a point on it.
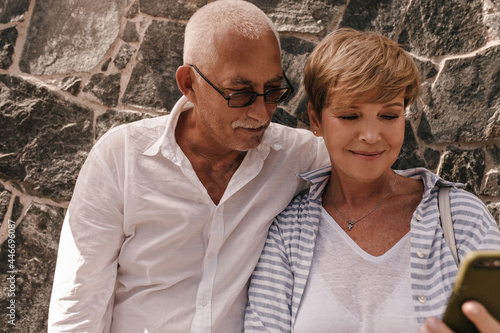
(349, 64)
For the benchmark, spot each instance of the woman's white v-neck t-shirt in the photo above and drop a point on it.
(349, 290)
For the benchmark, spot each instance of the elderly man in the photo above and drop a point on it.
(169, 215)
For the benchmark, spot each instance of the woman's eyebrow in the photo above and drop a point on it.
(388, 105)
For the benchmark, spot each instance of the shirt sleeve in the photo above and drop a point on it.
(91, 237)
(475, 227)
(270, 292)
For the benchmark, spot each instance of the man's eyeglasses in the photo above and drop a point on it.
(242, 99)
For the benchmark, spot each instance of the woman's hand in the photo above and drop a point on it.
(476, 313)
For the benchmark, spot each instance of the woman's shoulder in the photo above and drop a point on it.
(464, 201)
(300, 210)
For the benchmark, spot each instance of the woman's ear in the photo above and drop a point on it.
(313, 120)
(185, 82)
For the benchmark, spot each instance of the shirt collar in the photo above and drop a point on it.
(168, 146)
(319, 178)
(429, 179)
(167, 139)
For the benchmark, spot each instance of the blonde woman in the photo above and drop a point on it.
(363, 250)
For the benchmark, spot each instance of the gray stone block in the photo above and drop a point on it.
(464, 166)
(113, 118)
(124, 55)
(383, 16)
(13, 10)
(172, 9)
(44, 138)
(70, 36)
(408, 156)
(312, 17)
(8, 39)
(465, 99)
(437, 28)
(71, 84)
(492, 184)
(105, 87)
(130, 34)
(36, 240)
(152, 83)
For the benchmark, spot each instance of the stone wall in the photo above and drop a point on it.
(70, 70)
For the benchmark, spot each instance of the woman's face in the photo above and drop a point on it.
(363, 139)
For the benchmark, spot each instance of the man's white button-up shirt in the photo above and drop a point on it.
(143, 247)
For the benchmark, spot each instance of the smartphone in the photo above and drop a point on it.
(478, 279)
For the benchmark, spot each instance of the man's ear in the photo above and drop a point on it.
(185, 79)
(313, 120)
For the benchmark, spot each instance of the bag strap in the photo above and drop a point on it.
(446, 221)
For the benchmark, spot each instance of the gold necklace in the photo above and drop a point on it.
(350, 223)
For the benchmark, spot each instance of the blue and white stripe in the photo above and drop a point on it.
(278, 282)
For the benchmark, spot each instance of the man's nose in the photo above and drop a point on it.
(260, 110)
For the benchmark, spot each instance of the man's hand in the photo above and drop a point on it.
(476, 313)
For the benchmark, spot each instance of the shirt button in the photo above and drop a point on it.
(420, 254)
(204, 302)
(418, 217)
(422, 299)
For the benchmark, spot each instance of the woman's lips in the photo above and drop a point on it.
(367, 155)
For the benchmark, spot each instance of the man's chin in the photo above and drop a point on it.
(249, 144)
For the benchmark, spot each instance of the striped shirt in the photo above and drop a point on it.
(279, 279)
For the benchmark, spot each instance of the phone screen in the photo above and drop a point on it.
(478, 279)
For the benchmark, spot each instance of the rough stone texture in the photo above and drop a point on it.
(466, 97)
(492, 22)
(113, 118)
(17, 209)
(494, 154)
(435, 29)
(71, 84)
(282, 117)
(431, 158)
(427, 69)
(493, 127)
(36, 238)
(105, 65)
(70, 36)
(13, 10)
(383, 16)
(494, 209)
(492, 186)
(130, 33)
(301, 16)
(172, 9)
(464, 166)
(60, 73)
(43, 138)
(152, 83)
(294, 55)
(132, 11)
(8, 39)
(105, 87)
(408, 157)
(124, 55)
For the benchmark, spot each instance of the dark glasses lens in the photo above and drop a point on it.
(272, 96)
(239, 100)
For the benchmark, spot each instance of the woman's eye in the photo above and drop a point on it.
(389, 116)
(350, 117)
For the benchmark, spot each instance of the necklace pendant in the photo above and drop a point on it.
(351, 224)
